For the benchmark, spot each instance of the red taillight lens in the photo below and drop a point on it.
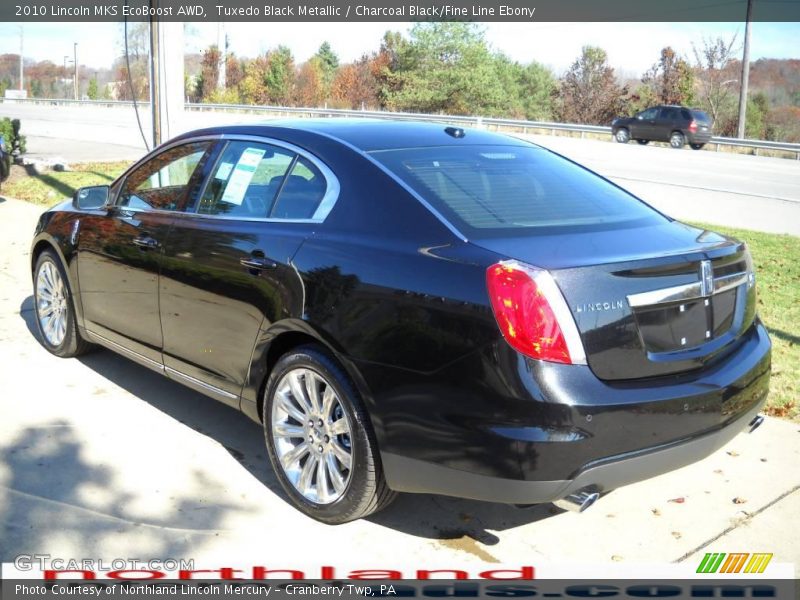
(693, 126)
(526, 317)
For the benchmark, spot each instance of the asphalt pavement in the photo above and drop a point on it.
(102, 458)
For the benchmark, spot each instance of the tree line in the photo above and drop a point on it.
(450, 68)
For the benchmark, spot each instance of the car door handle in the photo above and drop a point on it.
(145, 241)
(259, 263)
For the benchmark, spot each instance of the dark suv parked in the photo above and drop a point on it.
(674, 124)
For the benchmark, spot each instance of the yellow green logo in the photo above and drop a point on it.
(735, 562)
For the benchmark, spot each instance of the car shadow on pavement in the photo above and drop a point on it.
(452, 521)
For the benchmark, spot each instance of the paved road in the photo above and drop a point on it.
(740, 191)
(102, 458)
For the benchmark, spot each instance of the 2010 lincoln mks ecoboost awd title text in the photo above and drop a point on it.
(411, 307)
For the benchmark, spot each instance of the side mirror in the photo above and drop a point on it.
(92, 197)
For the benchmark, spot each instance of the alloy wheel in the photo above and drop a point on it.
(312, 437)
(52, 304)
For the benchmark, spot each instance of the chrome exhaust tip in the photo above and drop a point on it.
(755, 423)
(577, 502)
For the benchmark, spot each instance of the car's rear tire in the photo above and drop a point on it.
(643, 142)
(320, 440)
(676, 139)
(622, 136)
(55, 308)
(696, 146)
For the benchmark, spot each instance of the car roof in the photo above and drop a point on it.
(368, 134)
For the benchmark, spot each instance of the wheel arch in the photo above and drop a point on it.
(279, 339)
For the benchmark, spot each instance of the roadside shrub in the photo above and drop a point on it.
(10, 130)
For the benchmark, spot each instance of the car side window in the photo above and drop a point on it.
(162, 183)
(247, 177)
(301, 193)
(650, 113)
(669, 114)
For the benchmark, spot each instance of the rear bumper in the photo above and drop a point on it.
(568, 430)
(699, 138)
(607, 474)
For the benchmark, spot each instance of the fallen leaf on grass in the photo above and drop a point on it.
(677, 535)
(732, 453)
(656, 512)
(739, 500)
(616, 558)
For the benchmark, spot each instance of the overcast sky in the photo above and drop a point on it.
(632, 47)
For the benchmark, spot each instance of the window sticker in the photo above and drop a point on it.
(224, 171)
(242, 175)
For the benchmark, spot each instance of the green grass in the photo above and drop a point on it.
(776, 257)
(52, 186)
(777, 263)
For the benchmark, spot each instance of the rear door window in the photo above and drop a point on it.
(510, 190)
(301, 193)
(246, 180)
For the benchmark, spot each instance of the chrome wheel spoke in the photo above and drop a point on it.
(340, 427)
(328, 402)
(288, 431)
(298, 390)
(306, 474)
(342, 455)
(333, 472)
(290, 458)
(312, 383)
(323, 493)
(298, 413)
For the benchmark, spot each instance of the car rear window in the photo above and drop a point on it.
(491, 191)
(699, 115)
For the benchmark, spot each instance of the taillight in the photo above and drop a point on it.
(693, 126)
(532, 314)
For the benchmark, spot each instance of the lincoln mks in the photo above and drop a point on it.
(412, 307)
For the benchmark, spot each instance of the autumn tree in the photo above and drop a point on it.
(209, 73)
(356, 85)
(671, 79)
(310, 89)
(589, 92)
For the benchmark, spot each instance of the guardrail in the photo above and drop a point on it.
(525, 126)
(480, 122)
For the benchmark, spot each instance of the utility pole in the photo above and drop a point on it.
(21, 59)
(745, 72)
(155, 75)
(75, 83)
(66, 58)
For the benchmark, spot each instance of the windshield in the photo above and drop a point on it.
(491, 191)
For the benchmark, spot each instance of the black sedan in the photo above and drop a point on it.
(413, 307)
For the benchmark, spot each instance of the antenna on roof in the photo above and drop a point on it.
(455, 132)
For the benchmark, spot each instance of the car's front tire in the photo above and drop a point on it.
(677, 140)
(320, 440)
(55, 308)
(622, 136)
(696, 146)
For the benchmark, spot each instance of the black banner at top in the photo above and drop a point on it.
(397, 10)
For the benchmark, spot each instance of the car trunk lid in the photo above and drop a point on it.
(648, 302)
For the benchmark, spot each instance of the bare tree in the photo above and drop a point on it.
(716, 66)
